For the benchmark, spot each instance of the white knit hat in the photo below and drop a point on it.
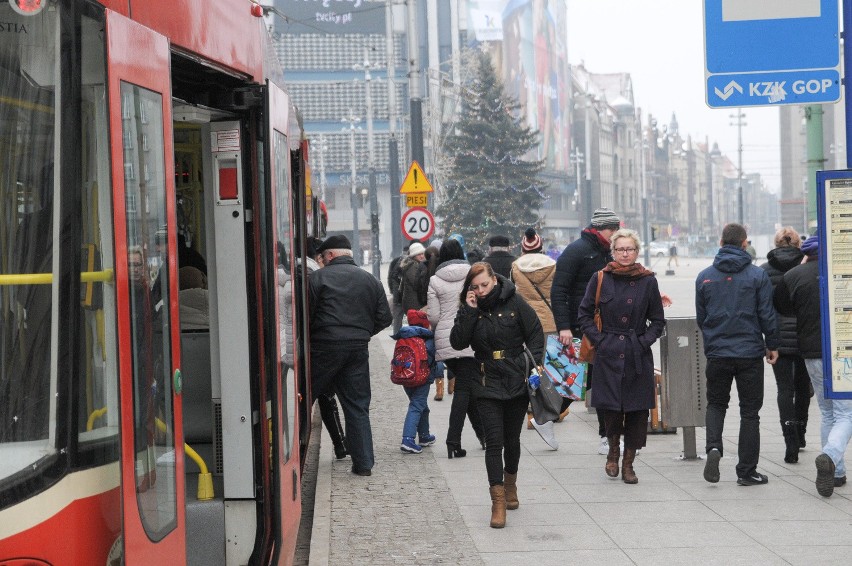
(416, 249)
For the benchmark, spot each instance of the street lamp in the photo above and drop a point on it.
(375, 254)
(353, 198)
(739, 124)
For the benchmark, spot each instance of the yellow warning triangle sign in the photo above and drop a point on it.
(415, 181)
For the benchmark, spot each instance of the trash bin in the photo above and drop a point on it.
(683, 382)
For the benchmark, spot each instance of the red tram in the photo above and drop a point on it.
(154, 210)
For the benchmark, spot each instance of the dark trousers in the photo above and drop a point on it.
(502, 422)
(748, 373)
(347, 373)
(632, 425)
(794, 391)
(465, 371)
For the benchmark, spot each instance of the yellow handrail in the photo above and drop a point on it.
(205, 478)
(105, 276)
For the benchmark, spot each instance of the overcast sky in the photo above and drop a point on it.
(661, 44)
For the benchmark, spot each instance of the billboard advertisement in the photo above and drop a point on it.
(330, 16)
(535, 66)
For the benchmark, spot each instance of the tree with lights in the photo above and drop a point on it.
(492, 185)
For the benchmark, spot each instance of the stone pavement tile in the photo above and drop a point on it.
(602, 557)
(651, 511)
(597, 475)
(517, 536)
(528, 514)
(809, 554)
(692, 535)
(616, 491)
(682, 471)
(772, 533)
(728, 489)
(529, 494)
(707, 556)
(792, 509)
(563, 460)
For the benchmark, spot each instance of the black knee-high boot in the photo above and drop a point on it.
(331, 419)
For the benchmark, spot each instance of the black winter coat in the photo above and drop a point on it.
(780, 261)
(501, 262)
(798, 294)
(581, 259)
(414, 284)
(348, 305)
(632, 320)
(509, 324)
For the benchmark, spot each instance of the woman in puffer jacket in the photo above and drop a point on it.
(496, 322)
(442, 306)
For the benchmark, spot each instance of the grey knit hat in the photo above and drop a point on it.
(604, 218)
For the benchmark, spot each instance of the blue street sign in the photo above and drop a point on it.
(768, 53)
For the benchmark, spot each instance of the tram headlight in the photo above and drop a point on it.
(28, 7)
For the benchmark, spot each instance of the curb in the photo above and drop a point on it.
(321, 531)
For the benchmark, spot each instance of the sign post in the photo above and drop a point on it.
(769, 53)
(417, 223)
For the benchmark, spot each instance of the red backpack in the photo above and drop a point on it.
(410, 363)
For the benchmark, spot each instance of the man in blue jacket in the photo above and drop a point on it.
(733, 305)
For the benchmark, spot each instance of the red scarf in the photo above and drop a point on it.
(601, 239)
(632, 271)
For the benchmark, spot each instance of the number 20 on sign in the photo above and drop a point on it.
(418, 224)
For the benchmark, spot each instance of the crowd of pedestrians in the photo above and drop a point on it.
(487, 320)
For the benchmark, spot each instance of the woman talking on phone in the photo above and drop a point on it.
(496, 322)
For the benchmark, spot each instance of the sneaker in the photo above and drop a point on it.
(427, 440)
(711, 468)
(825, 475)
(840, 482)
(753, 478)
(408, 445)
(545, 431)
(603, 447)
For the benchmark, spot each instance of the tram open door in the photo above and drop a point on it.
(141, 143)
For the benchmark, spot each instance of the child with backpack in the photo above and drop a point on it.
(414, 367)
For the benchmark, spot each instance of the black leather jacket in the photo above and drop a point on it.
(348, 306)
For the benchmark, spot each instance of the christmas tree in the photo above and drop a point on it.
(492, 182)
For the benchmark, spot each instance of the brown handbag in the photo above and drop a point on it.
(587, 350)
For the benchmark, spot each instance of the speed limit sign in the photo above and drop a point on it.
(418, 224)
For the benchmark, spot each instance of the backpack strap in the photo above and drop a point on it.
(540, 294)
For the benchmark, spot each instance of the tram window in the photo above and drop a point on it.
(28, 118)
(149, 310)
(98, 393)
(281, 164)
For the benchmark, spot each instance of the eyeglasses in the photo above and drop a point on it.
(625, 250)
(135, 264)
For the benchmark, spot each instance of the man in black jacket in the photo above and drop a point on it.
(579, 261)
(798, 294)
(347, 308)
(499, 257)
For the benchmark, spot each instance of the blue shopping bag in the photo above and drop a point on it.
(567, 373)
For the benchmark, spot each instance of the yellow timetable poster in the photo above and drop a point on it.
(837, 250)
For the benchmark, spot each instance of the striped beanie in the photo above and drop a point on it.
(531, 242)
(604, 218)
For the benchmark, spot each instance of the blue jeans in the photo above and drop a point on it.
(748, 372)
(417, 418)
(836, 429)
(347, 373)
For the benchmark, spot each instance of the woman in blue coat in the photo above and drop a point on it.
(632, 320)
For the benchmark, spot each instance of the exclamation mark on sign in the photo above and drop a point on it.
(415, 180)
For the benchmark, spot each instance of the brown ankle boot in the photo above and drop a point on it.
(451, 385)
(611, 467)
(529, 422)
(439, 389)
(563, 414)
(627, 473)
(498, 506)
(511, 487)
